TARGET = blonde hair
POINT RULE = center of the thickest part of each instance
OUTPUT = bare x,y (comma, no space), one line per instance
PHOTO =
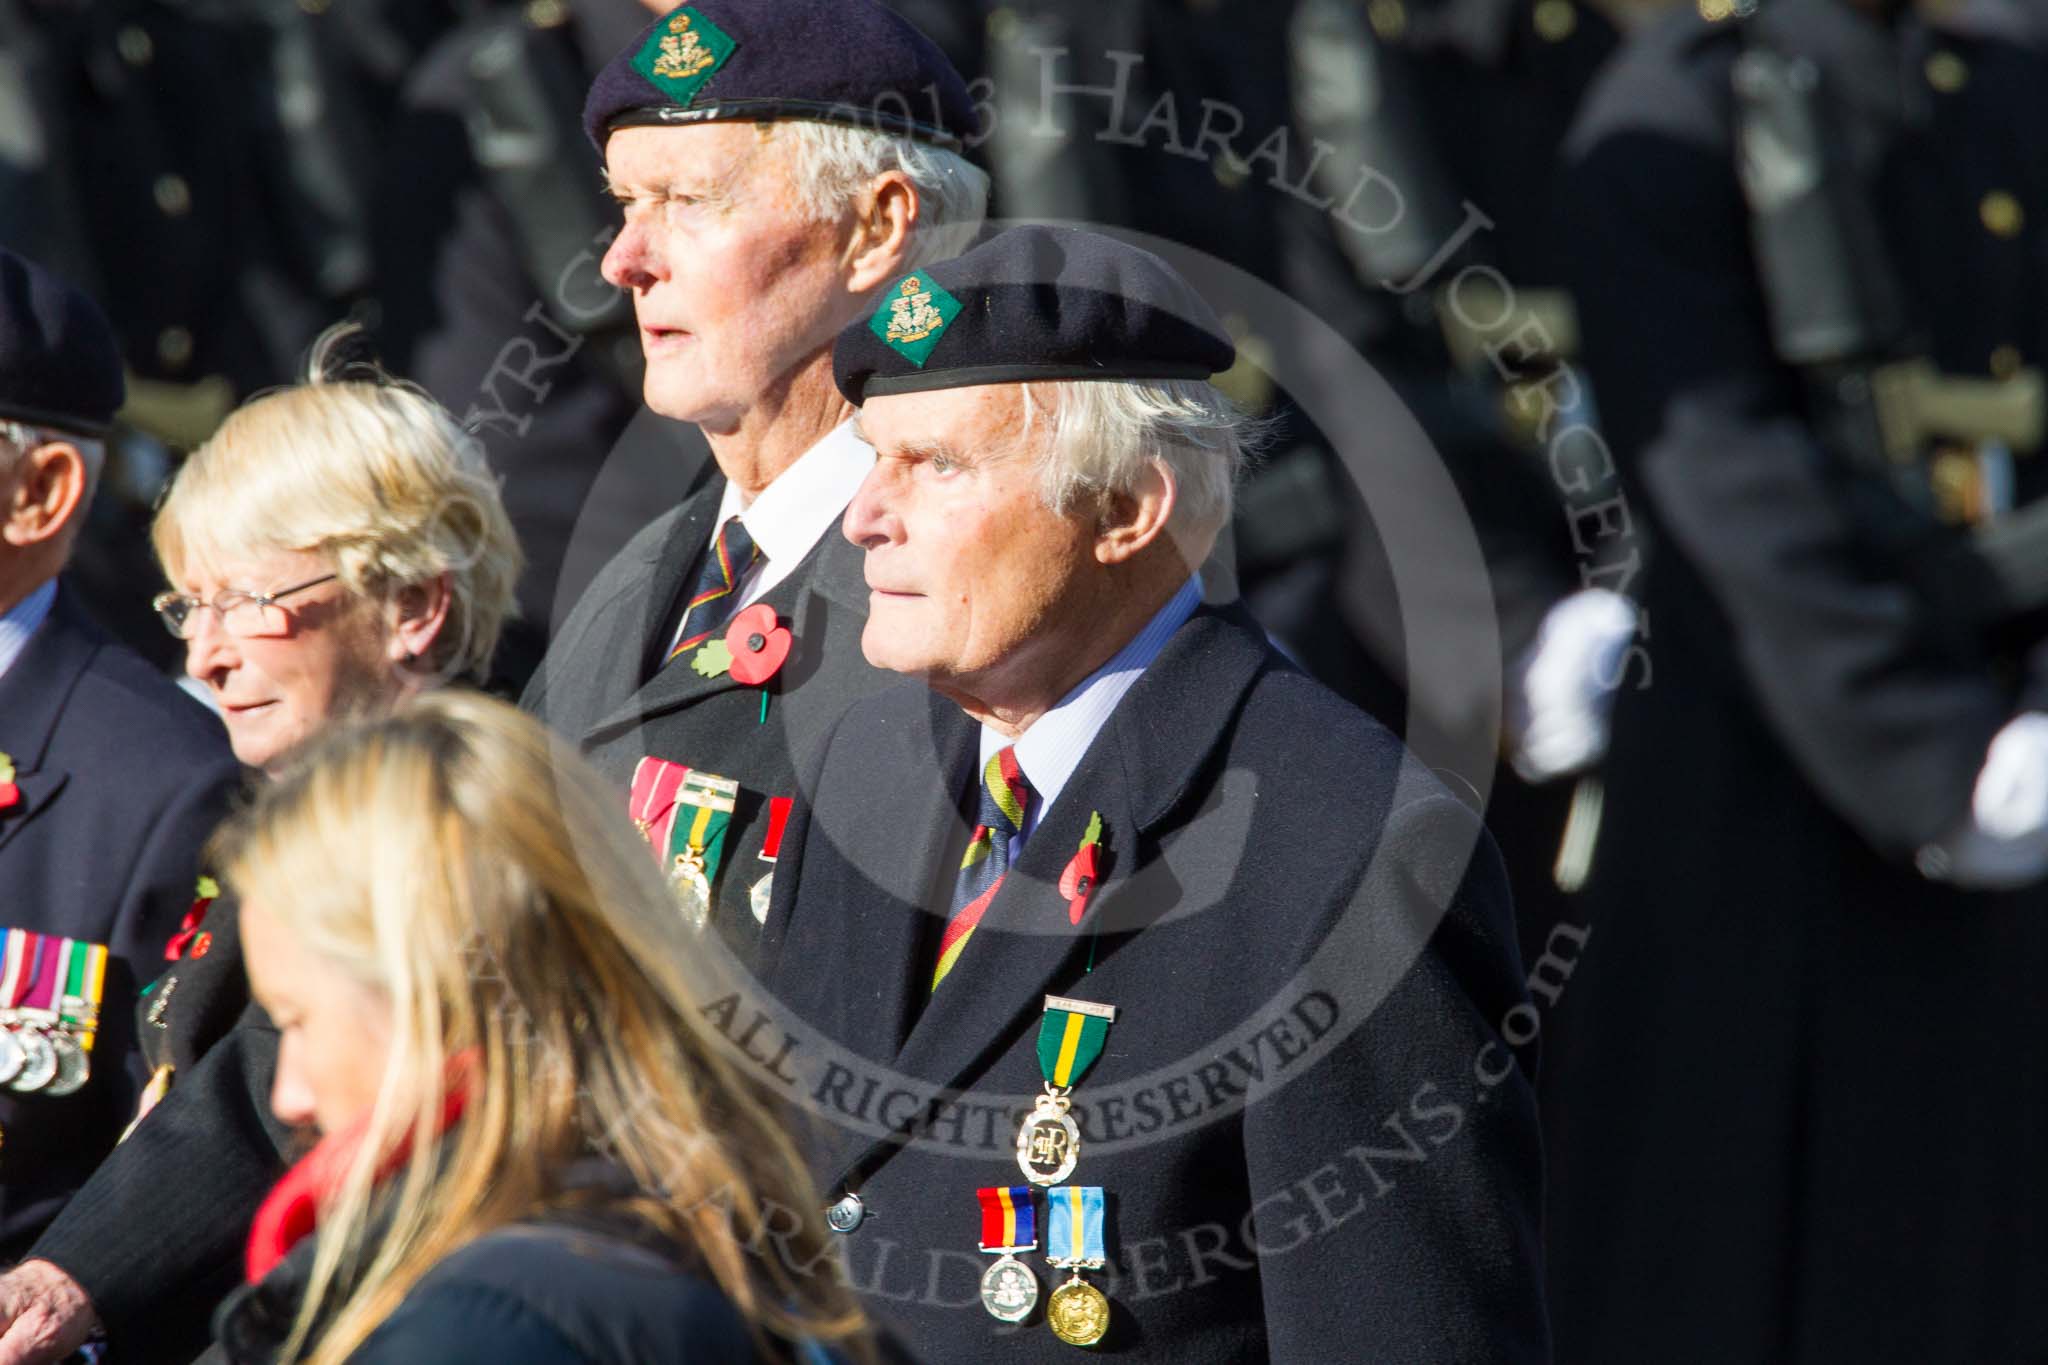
367,471
831,164
1105,433
485,880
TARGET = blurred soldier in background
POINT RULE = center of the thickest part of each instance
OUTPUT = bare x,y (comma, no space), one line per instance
205,167
1361,159
1802,1097
490,223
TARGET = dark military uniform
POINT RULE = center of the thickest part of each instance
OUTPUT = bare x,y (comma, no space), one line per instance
122,778
1235,846
155,1237
1798,1107
1244,1229
605,686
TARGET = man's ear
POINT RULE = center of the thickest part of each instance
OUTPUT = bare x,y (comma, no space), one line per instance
879,249
45,495
417,616
1132,522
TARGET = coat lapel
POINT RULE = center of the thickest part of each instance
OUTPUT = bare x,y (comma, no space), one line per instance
1140,770
33,694
678,684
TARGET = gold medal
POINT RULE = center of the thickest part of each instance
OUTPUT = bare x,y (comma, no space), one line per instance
1009,1291
1049,1143
1078,1312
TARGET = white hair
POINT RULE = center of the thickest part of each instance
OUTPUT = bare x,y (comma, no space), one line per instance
831,164
366,470
21,438
1107,433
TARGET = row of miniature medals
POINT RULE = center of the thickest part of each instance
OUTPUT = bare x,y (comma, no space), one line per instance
50,991
1070,1038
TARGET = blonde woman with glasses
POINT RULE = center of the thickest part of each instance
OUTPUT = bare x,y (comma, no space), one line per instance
533,1148
335,548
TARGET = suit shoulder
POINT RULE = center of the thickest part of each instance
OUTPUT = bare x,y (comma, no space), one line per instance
129,704
1341,762
1670,80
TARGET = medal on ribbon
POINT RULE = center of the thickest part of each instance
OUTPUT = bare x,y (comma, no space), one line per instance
29,984
1070,1038
1078,1312
82,967
696,840
763,891
1009,1224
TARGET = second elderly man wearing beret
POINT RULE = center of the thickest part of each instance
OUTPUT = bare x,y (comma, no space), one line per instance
1162,992
778,162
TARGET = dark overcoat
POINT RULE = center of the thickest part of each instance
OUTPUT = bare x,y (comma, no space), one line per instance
1313,1142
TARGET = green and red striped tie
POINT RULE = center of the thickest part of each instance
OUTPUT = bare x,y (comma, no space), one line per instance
725,563
1005,796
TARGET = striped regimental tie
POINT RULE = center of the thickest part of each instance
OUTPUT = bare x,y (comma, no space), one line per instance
1005,795
711,605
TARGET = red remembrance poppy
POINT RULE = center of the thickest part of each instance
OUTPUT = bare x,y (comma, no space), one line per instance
1077,883
758,645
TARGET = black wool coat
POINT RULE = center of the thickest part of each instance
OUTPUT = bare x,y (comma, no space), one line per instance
122,778
1314,1143
604,687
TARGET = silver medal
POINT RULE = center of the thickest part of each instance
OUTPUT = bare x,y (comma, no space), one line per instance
73,1068
40,1068
1009,1291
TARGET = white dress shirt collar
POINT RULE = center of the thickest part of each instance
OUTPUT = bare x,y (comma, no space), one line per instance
1050,750
803,503
21,622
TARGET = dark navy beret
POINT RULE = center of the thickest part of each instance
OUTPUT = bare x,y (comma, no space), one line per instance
60,365
834,61
1029,304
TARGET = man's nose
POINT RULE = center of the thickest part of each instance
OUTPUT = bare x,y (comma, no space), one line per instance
629,262
870,518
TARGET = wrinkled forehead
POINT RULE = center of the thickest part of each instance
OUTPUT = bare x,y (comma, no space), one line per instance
971,417
701,159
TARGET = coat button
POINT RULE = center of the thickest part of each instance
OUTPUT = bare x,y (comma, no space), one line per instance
173,195
2002,214
1555,20
1947,72
846,1215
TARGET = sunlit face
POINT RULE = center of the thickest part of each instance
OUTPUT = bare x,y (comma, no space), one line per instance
334,655
973,582
334,1031
734,290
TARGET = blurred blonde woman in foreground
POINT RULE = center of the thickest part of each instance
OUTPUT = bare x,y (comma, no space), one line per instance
532,1148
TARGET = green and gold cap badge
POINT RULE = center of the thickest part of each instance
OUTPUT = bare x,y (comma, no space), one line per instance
684,51
914,317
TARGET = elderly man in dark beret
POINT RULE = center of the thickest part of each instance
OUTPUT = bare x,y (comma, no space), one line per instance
1167,1004
777,164
110,777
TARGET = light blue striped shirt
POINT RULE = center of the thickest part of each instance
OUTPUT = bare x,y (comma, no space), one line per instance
21,622
1053,747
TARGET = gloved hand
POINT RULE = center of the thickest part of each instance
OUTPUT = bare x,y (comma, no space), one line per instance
1560,696
2003,842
